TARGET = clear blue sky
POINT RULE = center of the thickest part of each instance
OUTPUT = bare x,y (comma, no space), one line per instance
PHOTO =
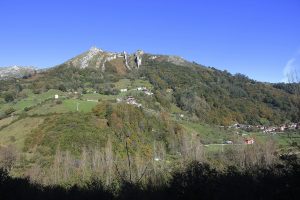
259,38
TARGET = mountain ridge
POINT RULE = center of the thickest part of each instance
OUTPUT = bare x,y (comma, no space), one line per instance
16,71
87,59
97,58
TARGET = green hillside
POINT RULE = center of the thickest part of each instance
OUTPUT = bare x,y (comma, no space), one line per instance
79,121
210,95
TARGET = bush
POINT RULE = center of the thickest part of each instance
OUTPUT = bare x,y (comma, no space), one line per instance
9,111
62,88
9,98
2,115
37,91
27,109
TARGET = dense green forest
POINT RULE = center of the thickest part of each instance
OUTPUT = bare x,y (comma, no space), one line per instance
221,98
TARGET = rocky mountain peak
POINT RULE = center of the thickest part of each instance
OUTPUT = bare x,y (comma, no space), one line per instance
95,50
97,58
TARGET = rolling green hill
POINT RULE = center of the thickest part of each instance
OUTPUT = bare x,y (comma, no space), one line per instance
101,110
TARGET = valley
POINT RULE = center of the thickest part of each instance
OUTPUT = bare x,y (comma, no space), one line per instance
149,100
140,118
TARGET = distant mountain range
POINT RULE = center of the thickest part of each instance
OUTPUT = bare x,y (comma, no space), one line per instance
95,58
16,71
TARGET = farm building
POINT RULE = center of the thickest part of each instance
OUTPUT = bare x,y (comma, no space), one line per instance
249,141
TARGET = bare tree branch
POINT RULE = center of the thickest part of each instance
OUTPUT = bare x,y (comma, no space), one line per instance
118,172
128,158
143,173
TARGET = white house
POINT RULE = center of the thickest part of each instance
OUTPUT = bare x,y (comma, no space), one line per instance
124,90
282,128
148,93
141,88
56,96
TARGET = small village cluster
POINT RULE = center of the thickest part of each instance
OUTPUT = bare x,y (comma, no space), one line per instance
129,100
142,89
246,141
268,129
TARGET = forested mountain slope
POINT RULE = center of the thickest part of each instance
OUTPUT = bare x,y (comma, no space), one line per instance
207,94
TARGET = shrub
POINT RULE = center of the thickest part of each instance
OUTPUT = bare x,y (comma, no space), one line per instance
62,88
9,111
9,98
37,91
27,109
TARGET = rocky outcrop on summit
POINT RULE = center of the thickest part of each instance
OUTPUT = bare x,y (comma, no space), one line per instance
126,60
91,53
99,59
138,58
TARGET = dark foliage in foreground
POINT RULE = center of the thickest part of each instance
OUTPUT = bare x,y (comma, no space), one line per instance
197,181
